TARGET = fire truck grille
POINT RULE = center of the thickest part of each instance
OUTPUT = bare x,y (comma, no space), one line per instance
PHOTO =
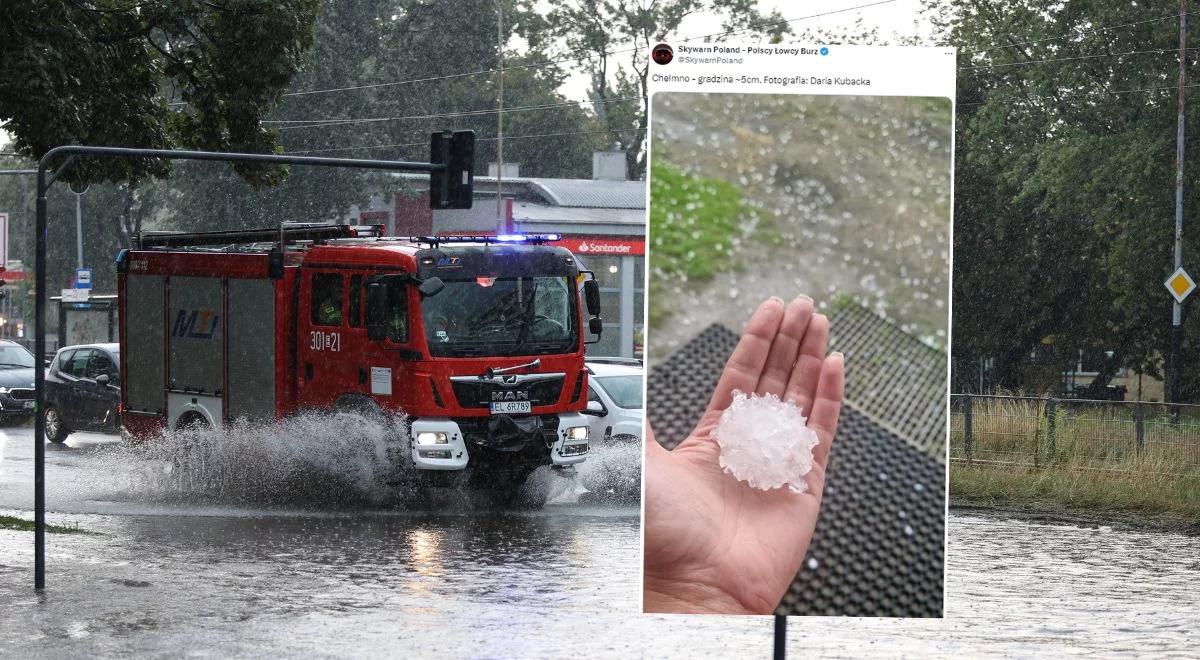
478,394
476,428
21,394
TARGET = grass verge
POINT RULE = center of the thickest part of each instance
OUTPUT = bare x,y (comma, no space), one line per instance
1078,487
21,524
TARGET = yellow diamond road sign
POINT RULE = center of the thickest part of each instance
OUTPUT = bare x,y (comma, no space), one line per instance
1180,284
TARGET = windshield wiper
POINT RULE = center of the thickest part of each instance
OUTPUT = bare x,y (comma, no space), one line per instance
527,318
494,314
492,372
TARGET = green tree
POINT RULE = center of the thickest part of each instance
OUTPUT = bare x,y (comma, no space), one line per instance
1064,178
106,72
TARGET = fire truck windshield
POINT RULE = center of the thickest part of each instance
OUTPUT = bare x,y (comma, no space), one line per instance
501,316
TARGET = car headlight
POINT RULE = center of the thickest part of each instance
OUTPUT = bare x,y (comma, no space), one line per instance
577,433
575,449
432,438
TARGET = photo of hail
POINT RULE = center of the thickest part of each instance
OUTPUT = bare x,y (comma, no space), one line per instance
798,299
766,442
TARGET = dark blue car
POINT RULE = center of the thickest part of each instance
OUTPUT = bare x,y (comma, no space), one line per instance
83,390
16,382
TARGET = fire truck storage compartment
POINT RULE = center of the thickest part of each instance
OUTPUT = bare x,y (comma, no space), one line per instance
251,349
194,330
144,334
195,324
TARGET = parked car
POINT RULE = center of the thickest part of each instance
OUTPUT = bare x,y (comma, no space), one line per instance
614,401
83,391
16,382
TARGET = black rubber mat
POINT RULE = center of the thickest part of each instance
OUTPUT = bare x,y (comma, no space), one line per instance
899,380
879,543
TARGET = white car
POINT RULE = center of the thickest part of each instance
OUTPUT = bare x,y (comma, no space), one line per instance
615,401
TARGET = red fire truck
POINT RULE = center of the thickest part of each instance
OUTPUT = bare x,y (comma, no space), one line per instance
478,340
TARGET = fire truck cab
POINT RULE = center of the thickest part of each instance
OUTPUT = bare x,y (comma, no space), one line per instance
478,341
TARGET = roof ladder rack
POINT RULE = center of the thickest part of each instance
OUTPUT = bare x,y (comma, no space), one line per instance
287,232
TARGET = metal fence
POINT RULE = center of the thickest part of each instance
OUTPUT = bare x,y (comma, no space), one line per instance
1046,431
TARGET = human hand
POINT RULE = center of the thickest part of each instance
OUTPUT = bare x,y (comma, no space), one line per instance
713,543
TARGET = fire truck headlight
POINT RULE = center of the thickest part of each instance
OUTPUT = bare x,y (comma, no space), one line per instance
577,433
431,438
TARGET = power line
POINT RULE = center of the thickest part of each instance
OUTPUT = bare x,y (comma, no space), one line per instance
1082,93
531,65
1081,31
790,20
426,142
1068,59
311,123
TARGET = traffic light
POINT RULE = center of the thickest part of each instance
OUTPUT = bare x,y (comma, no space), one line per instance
453,187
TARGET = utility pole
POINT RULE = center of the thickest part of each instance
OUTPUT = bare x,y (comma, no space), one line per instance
1177,309
500,225
79,227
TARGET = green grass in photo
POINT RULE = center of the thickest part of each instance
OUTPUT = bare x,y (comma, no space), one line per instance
695,226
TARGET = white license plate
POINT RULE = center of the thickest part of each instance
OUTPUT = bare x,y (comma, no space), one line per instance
509,407
29,405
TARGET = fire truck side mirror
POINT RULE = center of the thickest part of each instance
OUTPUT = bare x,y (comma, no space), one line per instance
431,287
591,296
452,187
596,326
376,312
275,264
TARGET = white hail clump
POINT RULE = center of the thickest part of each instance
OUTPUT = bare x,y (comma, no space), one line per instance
766,442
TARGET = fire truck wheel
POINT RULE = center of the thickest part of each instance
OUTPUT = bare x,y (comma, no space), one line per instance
191,421
534,493
56,431
359,405
509,490
396,461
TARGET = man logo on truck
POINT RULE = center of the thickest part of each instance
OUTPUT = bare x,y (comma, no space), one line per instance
196,323
510,396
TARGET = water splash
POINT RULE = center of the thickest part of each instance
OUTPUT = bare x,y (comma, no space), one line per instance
320,461
613,472
311,459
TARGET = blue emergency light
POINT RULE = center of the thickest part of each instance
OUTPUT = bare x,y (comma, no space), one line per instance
515,238
536,239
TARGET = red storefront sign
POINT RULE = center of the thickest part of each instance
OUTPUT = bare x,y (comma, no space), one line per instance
604,246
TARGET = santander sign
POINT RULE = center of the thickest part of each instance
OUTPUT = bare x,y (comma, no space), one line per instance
604,246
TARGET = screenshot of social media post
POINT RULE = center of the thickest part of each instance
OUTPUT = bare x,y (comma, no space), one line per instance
798,304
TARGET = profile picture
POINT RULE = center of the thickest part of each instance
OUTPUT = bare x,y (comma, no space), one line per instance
662,54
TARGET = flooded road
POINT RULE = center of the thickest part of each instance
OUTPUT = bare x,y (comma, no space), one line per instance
215,579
